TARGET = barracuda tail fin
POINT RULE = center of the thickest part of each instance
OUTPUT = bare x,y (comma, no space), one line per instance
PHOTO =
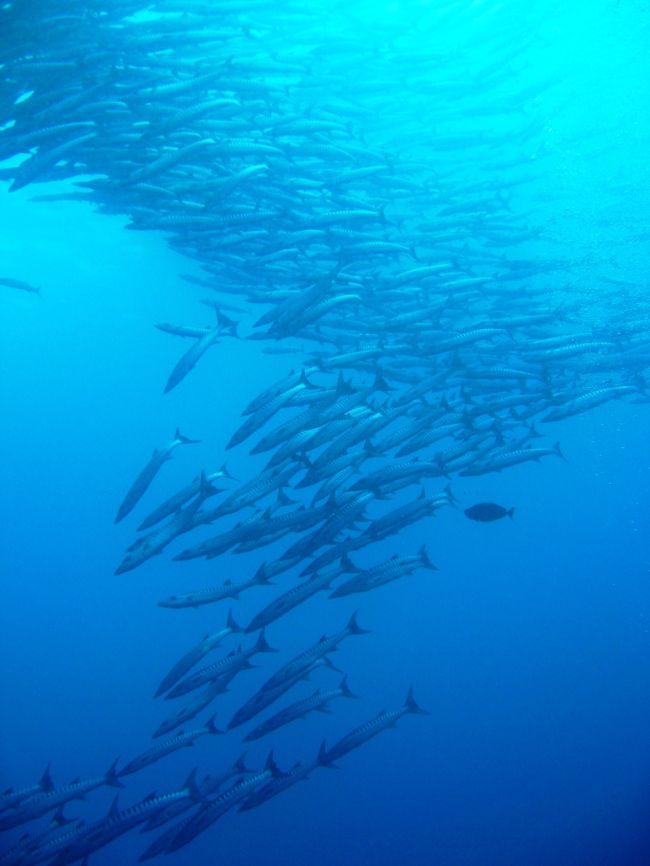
343,386
211,726
185,440
240,764
348,565
424,558
322,756
412,707
192,788
206,488
330,664
262,645
272,767
380,384
453,501
370,450
353,626
323,759
283,499
346,691
114,808
533,431
305,381
226,473
60,820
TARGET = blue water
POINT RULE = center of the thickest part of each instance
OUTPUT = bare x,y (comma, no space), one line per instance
529,646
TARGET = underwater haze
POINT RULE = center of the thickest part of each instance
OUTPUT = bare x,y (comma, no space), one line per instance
324,381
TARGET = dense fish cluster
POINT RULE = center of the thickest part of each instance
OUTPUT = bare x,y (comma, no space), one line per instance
436,325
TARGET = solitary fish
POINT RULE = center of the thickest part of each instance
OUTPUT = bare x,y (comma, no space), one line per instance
486,512
21,285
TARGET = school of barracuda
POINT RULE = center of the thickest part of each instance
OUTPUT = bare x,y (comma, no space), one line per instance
382,251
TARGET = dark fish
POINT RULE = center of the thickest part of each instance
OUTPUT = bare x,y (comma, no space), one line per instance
486,512
21,285
213,810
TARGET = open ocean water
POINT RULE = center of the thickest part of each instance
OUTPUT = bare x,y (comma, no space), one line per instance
446,196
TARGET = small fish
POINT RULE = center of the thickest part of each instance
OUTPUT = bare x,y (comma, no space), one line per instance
21,285
486,512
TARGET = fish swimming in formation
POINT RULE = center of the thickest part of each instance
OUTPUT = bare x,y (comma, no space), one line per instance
50,799
13,797
298,710
198,652
423,345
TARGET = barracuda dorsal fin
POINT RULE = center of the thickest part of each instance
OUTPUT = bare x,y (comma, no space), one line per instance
272,767
111,777
453,501
191,787
348,565
59,818
323,758
240,764
45,781
342,387
232,625
260,576
346,691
